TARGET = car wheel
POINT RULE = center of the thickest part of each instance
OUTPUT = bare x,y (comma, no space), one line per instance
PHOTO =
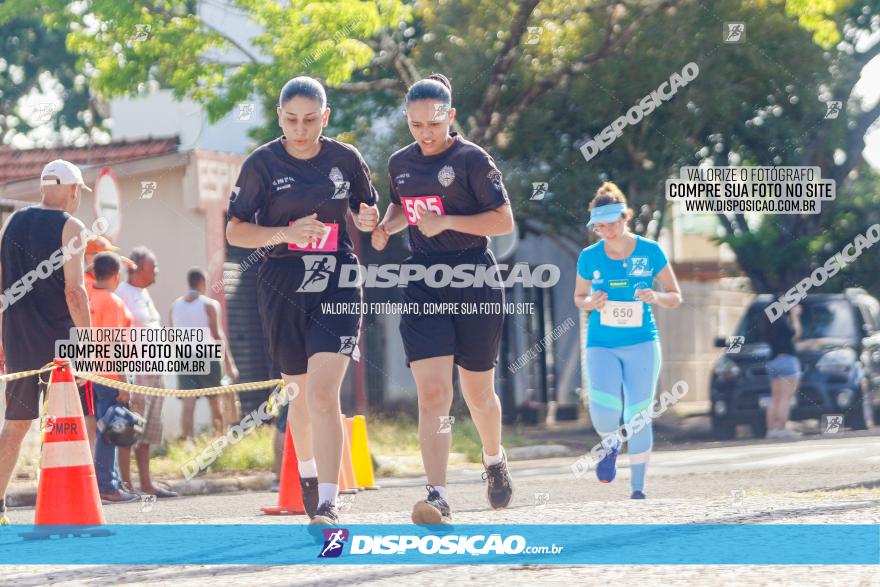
861,414
758,428
723,429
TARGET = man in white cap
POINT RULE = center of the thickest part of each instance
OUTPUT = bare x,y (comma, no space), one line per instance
40,302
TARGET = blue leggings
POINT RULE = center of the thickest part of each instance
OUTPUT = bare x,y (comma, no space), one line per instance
634,370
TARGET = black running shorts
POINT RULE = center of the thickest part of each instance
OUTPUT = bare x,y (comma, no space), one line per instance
23,396
470,324
299,300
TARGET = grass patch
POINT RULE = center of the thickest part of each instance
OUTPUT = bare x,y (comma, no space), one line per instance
399,436
253,453
388,436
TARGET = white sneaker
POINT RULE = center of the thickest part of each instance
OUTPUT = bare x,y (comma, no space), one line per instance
773,434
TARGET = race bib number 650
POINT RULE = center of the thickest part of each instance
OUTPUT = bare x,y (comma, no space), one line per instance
621,314
416,206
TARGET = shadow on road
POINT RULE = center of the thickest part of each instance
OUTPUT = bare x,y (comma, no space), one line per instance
860,485
672,432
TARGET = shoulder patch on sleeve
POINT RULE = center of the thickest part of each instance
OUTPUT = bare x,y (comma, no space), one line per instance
495,177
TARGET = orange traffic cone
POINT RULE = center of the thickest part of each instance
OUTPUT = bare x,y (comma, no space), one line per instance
290,498
68,490
347,484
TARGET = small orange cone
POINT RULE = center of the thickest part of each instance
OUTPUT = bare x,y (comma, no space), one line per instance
346,471
360,453
68,491
290,498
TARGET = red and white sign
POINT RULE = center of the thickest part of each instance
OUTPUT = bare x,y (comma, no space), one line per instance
416,206
329,243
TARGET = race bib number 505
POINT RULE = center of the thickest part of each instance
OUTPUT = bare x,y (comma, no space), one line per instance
328,243
621,314
416,206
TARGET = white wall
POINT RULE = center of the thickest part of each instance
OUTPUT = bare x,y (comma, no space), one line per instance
157,113
687,333
168,117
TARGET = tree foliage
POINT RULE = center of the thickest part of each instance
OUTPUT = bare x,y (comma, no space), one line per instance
30,57
533,80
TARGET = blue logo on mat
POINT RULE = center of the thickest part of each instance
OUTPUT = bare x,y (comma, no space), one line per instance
334,540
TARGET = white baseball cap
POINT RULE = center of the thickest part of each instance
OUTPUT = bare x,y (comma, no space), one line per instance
61,172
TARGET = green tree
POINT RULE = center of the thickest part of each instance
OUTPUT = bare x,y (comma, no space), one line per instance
554,73
28,52
785,247
758,103
123,45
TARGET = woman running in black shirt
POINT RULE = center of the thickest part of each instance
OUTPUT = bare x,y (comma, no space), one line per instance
293,198
450,195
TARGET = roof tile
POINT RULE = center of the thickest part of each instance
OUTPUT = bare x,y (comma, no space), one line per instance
18,164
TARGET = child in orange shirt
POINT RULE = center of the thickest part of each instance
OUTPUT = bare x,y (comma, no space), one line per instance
108,311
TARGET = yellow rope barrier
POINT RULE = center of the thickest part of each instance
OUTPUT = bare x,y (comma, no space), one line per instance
145,390
23,374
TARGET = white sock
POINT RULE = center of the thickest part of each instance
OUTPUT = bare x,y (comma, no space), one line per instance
444,494
327,492
490,460
307,469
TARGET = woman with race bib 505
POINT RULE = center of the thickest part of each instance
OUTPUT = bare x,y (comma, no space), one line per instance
449,194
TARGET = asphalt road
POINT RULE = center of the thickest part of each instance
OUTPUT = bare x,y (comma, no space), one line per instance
821,479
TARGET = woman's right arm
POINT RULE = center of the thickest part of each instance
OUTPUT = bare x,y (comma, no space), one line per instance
796,325
253,236
395,219
585,300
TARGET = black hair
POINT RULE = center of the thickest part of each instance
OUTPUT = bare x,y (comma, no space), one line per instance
195,276
433,87
305,86
141,255
106,264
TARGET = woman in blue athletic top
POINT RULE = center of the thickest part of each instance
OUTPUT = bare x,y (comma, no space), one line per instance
616,277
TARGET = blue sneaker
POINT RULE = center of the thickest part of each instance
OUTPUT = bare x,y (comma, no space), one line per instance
606,470
637,495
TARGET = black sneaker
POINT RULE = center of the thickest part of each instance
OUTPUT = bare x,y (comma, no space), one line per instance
325,515
500,484
309,487
431,511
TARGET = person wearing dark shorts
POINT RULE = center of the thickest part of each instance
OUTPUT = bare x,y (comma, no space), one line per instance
41,263
450,195
293,199
196,310
472,339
